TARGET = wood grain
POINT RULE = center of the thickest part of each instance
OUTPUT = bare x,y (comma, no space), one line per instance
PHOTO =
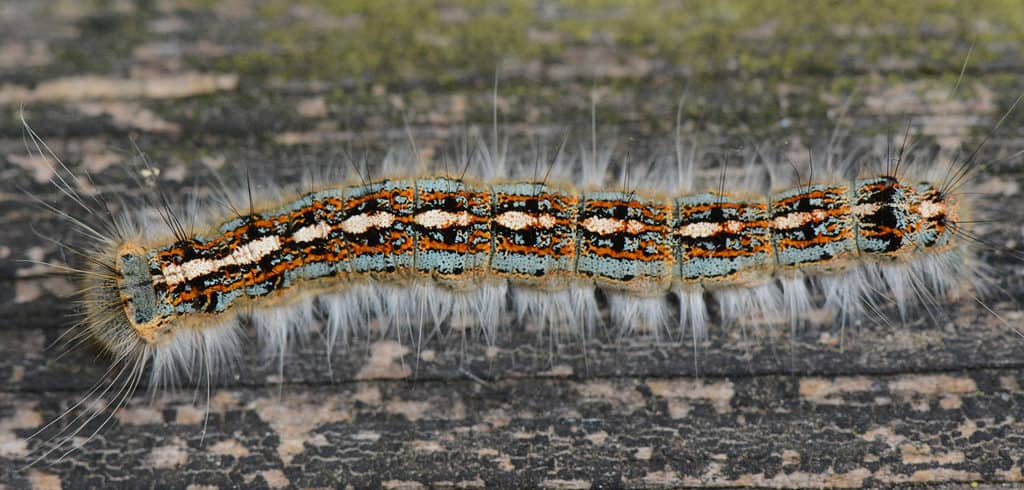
280,90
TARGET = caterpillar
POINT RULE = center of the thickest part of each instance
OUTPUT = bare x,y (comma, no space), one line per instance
416,249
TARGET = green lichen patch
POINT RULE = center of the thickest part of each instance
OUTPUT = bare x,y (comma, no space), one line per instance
445,42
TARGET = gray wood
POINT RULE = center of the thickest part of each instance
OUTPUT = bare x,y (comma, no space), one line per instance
927,400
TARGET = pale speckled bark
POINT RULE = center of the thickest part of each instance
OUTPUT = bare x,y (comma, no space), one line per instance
872,405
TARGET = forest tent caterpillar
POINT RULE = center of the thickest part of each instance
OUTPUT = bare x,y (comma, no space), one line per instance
443,250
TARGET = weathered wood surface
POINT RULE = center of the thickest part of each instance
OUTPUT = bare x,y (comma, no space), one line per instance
279,89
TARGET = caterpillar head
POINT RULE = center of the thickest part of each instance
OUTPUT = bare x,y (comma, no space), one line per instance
121,305
138,295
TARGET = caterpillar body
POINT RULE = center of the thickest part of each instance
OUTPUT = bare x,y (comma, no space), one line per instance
420,251
385,251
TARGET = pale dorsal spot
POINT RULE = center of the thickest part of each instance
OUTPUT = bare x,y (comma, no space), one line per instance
359,223
931,209
866,209
607,226
796,220
248,253
603,226
700,230
733,226
517,220
316,231
436,218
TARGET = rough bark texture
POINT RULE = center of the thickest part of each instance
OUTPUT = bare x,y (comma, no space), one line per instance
281,89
